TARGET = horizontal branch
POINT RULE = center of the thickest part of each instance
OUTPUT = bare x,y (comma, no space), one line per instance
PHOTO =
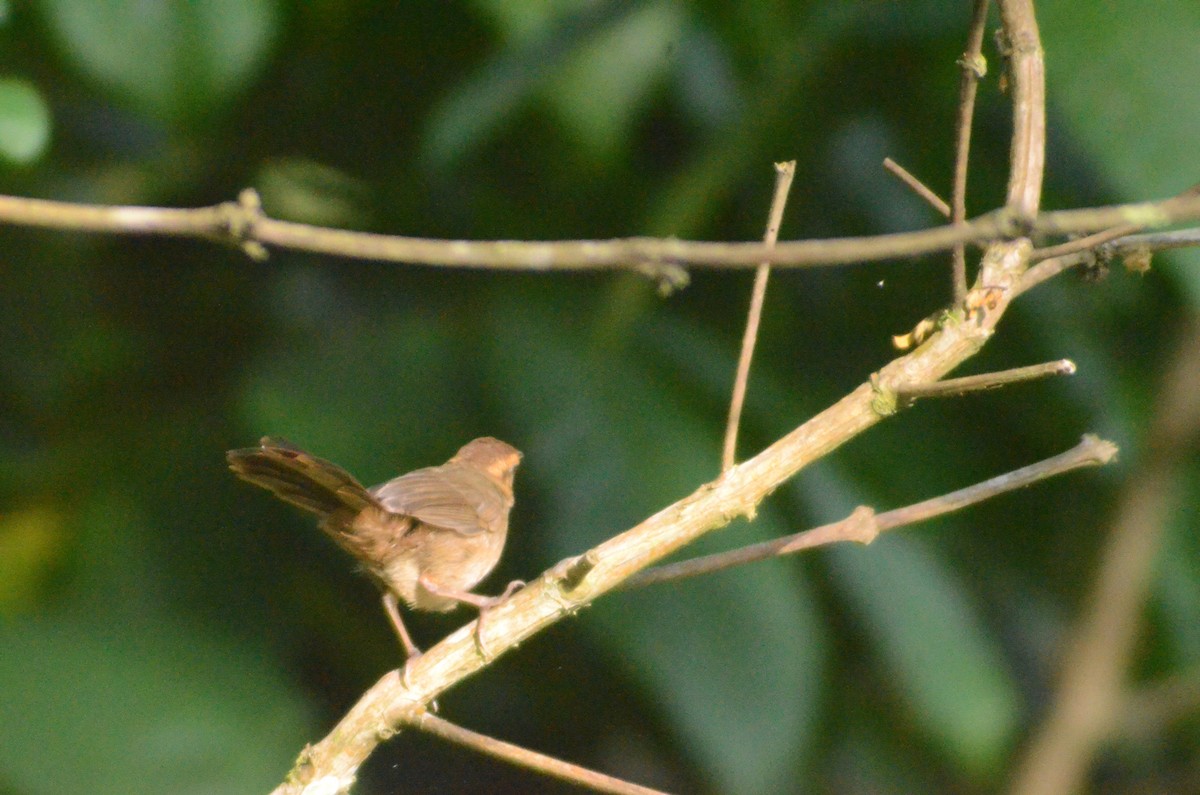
1154,241
244,224
1126,245
957,387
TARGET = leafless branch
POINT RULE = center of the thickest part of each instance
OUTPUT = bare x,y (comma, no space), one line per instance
243,224
956,387
331,764
1027,67
1104,246
1085,243
1155,241
1109,238
523,757
918,187
784,172
973,67
863,525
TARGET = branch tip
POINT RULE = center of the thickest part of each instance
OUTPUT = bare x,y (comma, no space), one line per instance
957,387
1098,451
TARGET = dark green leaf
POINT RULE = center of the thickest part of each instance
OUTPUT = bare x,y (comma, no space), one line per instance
939,654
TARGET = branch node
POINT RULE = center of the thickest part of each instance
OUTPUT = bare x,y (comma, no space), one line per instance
861,525
240,218
1013,224
670,276
884,402
974,63
571,572
1138,260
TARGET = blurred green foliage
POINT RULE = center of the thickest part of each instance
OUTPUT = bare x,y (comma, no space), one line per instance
166,629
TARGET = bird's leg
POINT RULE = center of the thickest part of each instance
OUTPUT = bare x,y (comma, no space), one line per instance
482,603
392,609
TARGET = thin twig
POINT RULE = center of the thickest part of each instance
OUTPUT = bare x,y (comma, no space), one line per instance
863,525
1119,239
956,387
1049,268
1155,241
1085,243
784,172
523,757
917,186
1149,242
241,224
974,67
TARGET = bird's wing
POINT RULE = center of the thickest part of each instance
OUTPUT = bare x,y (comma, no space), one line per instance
452,496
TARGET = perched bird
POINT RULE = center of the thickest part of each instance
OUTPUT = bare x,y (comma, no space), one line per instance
427,537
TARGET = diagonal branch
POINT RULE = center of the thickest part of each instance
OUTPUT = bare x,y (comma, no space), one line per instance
863,525
956,387
389,706
918,187
783,183
533,760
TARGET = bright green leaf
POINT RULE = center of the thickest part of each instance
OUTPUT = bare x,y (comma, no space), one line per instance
24,121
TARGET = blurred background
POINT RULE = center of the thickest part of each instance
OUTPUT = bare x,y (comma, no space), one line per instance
165,628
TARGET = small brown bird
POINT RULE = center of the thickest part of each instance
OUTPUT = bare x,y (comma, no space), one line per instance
427,537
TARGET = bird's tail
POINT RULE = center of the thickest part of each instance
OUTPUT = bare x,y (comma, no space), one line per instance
304,480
